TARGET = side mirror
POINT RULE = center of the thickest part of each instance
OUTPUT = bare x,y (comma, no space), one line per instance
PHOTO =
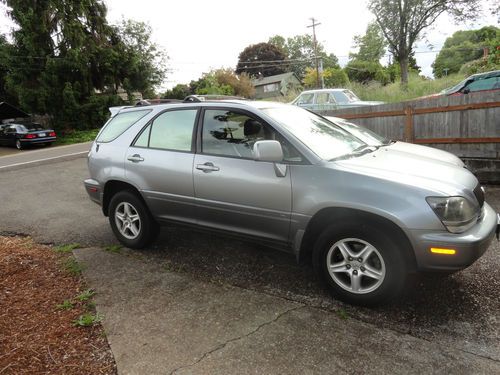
268,151
466,90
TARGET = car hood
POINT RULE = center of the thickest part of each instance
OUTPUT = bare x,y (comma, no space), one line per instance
411,169
426,152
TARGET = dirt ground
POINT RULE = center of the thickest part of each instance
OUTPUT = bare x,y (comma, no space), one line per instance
37,330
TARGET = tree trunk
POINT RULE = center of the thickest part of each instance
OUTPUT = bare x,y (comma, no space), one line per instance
403,64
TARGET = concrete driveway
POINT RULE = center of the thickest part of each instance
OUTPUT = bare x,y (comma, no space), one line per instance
200,303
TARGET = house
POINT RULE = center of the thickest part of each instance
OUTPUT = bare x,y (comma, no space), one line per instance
276,86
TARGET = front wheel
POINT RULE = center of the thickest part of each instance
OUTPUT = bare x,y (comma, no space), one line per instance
131,220
360,264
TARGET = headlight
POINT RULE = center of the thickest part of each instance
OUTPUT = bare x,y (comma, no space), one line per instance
456,213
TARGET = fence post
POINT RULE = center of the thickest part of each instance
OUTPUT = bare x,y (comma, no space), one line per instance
409,132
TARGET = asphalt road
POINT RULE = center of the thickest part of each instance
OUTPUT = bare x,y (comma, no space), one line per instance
461,311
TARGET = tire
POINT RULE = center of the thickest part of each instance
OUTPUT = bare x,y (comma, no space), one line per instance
375,279
19,144
131,220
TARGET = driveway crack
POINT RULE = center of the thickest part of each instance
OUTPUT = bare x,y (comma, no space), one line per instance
224,344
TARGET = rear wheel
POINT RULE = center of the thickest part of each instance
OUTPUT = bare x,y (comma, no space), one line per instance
131,220
360,264
19,144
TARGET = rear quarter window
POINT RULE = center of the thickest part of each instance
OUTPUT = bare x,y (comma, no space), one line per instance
118,124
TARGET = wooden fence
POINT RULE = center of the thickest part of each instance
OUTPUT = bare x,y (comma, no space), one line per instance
468,126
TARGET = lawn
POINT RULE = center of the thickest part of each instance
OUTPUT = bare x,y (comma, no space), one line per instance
77,136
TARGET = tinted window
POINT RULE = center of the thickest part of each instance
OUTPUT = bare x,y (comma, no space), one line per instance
484,84
121,122
231,133
173,130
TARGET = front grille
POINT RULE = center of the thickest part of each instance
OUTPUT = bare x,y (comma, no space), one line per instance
478,192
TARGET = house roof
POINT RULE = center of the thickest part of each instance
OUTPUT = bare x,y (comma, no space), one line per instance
272,79
8,111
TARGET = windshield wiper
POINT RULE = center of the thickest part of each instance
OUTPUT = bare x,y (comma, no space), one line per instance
361,150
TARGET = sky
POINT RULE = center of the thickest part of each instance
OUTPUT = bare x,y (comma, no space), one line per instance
200,35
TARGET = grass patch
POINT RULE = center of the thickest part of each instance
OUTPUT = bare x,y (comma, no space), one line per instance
85,295
66,305
77,136
68,248
87,320
342,314
73,267
394,92
113,248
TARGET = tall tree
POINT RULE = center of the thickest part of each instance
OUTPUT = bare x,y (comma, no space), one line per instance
371,46
403,22
299,50
69,61
261,59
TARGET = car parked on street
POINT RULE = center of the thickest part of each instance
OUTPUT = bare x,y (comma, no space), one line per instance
21,135
373,139
366,216
330,99
482,82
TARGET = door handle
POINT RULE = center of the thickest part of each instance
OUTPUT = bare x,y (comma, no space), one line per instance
136,158
207,167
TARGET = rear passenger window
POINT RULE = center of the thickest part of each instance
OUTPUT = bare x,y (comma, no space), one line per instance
173,130
118,124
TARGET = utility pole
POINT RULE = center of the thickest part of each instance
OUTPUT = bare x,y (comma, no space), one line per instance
313,25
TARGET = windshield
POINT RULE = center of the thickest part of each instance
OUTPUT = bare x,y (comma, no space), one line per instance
33,126
367,136
451,90
352,97
321,136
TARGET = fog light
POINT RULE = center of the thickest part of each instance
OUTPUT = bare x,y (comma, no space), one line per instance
437,250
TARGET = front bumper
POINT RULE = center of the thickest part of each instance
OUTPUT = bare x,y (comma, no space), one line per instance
93,189
469,246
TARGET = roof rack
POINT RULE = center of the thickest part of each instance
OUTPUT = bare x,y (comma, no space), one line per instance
204,98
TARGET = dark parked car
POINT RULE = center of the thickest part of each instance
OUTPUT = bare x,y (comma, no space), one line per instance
25,134
489,81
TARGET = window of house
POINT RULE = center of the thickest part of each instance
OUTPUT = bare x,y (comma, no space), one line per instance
271,87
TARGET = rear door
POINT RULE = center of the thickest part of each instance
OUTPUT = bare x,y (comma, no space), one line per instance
234,192
160,162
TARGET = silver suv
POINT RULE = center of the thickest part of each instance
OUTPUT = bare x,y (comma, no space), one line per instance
366,216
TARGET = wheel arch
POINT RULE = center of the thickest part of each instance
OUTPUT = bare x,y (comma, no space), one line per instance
114,186
328,216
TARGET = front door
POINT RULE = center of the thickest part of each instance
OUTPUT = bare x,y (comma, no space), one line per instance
233,192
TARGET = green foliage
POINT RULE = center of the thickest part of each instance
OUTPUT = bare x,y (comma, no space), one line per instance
223,82
492,62
113,248
371,46
77,136
68,248
66,305
332,78
85,295
463,47
261,59
73,267
394,92
366,71
403,23
87,320
300,50
179,91
68,62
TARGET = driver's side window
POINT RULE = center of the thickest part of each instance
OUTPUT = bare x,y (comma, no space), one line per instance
233,133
